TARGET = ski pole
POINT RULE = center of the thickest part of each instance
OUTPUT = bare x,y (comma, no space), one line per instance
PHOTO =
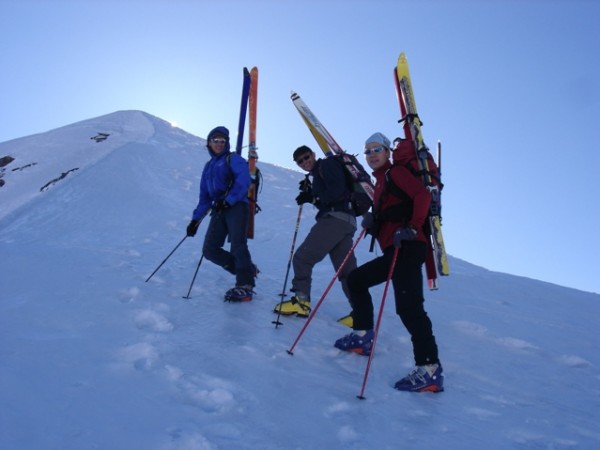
194,279
314,311
165,260
289,264
385,290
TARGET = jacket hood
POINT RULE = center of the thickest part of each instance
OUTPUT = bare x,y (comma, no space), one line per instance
218,131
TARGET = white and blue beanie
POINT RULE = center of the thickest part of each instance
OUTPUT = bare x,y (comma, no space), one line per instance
379,138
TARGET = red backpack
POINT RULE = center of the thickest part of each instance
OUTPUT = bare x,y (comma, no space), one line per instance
404,154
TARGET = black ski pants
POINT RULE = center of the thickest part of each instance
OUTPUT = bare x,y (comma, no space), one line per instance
407,280
233,223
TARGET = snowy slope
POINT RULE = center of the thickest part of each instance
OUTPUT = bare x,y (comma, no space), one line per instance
91,356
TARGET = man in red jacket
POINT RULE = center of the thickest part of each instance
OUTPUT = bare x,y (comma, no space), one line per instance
396,222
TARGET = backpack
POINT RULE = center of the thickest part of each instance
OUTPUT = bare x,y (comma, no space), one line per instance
404,154
359,200
256,180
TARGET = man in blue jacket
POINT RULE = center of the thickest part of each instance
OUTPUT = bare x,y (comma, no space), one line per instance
224,189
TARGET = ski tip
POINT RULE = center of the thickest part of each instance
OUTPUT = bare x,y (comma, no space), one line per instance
293,94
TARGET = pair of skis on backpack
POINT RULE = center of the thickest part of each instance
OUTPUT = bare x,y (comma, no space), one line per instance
423,165
249,102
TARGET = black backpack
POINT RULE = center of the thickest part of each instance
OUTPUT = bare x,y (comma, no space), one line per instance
355,173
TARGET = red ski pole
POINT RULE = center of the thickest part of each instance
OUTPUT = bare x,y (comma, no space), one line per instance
387,285
314,311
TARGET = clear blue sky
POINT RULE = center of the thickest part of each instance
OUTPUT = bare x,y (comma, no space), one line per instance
511,88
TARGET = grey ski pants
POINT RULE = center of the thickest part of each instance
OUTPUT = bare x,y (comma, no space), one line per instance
328,236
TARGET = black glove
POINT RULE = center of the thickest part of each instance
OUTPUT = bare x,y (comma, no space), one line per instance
368,221
192,228
305,185
305,197
220,206
404,234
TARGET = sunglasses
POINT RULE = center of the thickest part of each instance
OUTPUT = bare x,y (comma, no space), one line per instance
368,151
303,158
218,140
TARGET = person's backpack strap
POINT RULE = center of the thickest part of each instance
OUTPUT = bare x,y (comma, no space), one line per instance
391,187
231,175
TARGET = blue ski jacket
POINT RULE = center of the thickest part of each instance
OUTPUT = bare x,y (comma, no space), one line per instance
224,177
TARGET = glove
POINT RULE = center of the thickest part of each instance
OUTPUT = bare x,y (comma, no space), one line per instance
305,185
220,206
305,197
404,234
192,228
368,221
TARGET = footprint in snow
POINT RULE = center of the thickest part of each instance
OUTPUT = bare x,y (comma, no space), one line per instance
129,295
141,356
148,319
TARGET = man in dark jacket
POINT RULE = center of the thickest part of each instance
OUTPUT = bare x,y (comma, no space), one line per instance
397,222
331,234
224,190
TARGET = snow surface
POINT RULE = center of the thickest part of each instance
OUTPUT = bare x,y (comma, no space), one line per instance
92,356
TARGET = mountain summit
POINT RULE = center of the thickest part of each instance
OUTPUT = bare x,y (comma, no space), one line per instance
35,163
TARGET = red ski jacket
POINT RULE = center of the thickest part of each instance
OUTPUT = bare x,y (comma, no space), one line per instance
415,204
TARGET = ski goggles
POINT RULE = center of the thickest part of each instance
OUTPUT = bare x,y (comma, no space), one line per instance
218,140
368,151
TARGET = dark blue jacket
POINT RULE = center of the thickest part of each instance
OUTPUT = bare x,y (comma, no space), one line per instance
223,180
330,187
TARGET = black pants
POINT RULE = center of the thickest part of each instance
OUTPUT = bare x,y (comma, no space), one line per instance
230,223
407,280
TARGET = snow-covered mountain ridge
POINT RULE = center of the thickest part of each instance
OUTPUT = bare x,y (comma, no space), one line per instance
43,158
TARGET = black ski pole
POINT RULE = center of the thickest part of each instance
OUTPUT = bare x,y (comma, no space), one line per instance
387,285
289,264
194,279
165,260
314,311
